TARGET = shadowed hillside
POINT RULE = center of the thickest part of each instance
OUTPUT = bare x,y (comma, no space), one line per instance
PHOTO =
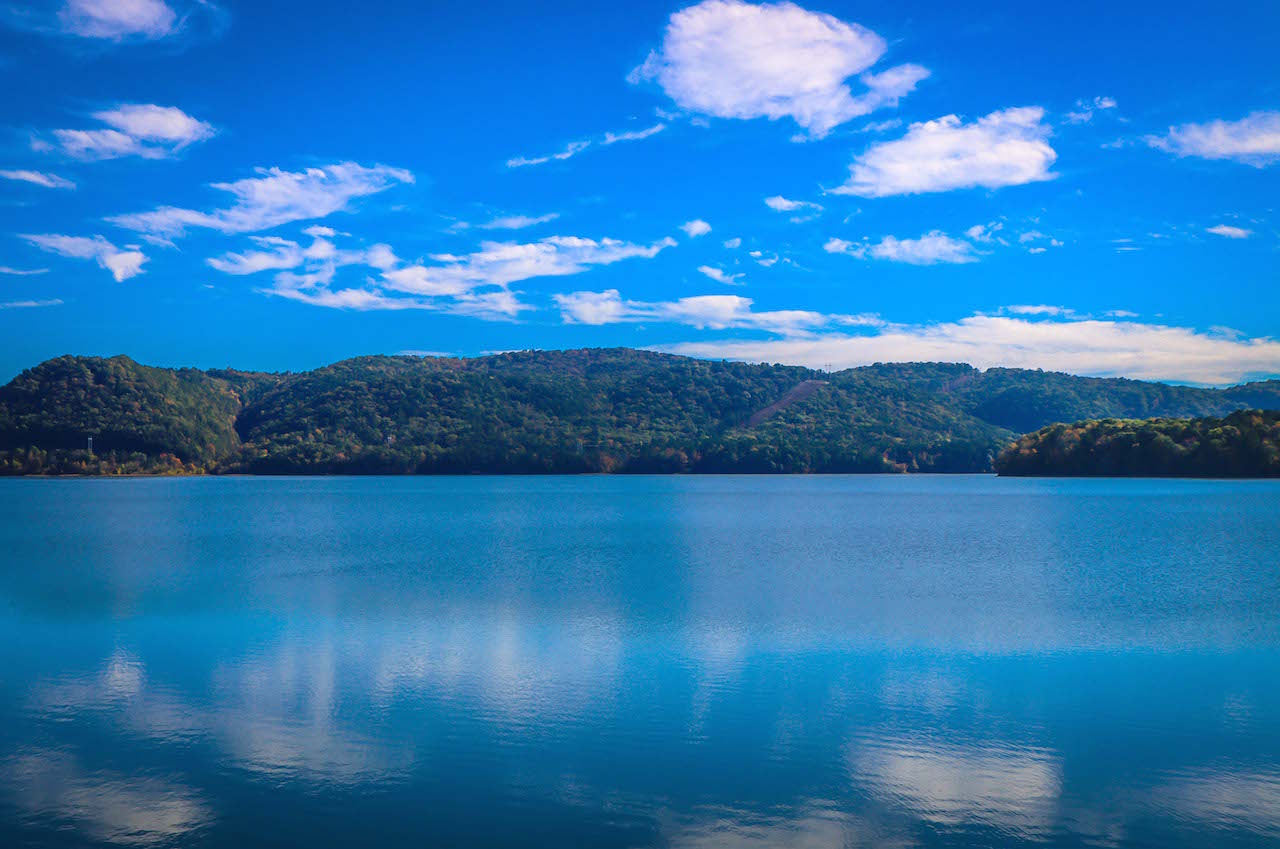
607,410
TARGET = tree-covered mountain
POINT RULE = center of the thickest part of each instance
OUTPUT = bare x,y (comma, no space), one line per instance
1245,443
600,410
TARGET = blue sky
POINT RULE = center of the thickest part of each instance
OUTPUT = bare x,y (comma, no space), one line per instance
281,185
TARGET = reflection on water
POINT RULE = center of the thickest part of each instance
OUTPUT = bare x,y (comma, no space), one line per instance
703,663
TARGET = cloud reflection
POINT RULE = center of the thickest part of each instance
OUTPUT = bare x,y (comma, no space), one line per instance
105,805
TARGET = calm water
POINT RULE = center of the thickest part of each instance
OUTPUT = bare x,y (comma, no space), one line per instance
629,662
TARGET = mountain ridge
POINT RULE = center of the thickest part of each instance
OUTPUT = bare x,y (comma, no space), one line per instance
571,411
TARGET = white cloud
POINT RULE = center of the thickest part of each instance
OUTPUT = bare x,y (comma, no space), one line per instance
985,233
119,21
122,263
713,312
930,249
719,275
1087,108
1038,309
272,198
282,254
632,135
732,59
1229,232
518,222
499,264
22,305
116,20
695,228
1005,148
780,204
574,148
22,272
476,284
319,231
134,129
807,210
49,181
734,243
1105,348
1253,140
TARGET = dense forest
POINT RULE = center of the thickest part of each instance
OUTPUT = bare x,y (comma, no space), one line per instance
1245,443
599,410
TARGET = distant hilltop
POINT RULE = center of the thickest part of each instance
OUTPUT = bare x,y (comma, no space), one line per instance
1245,443
549,412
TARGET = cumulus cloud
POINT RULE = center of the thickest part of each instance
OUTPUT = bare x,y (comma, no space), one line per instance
1104,348
119,21
39,178
719,275
574,148
695,228
734,243
123,263
930,249
272,198
1229,232
1253,140
1006,148
134,129
731,59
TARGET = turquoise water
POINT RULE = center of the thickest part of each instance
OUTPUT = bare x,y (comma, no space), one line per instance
631,662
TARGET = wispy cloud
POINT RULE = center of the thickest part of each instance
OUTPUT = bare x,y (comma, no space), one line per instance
133,129
478,283
39,178
806,210
932,248
25,305
22,272
123,263
1085,109
719,275
272,198
1005,148
1107,348
711,312
1227,231
632,135
1253,140
710,63
518,222
574,148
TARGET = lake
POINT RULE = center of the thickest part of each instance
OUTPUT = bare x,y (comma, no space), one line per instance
630,662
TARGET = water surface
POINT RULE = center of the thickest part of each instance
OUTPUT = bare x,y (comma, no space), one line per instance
633,662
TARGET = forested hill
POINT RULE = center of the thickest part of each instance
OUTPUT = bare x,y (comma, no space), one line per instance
600,410
1244,444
